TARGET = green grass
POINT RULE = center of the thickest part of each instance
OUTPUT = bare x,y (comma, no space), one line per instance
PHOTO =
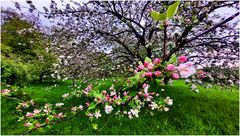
211,111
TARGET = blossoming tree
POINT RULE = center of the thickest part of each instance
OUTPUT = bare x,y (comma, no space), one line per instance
123,98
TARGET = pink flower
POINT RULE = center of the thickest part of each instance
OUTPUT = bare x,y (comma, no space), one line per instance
27,124
146,64
104,92
140,67
156,61
175,76
125,93
146,95
144,85
168,101
170,67
87,103
115,97
182,59
186,70
38,125
158,73
24,104
5,91
36,111
47,120
149,74
135,72
60,115
150,66
29,115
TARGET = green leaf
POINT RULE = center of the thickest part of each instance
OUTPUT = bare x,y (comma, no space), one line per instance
138,75
158,16
92,106
140,63
95,126
132,93
172,10
155,15
162,16
173,59
148,60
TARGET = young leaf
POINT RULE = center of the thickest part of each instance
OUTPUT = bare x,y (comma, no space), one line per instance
92,106
95,126
148,60
162,16
155,15
140,63
172,10
158,16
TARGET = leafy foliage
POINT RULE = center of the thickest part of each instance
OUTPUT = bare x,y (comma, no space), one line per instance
24,57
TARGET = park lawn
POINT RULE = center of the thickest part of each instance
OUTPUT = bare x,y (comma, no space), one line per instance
211,111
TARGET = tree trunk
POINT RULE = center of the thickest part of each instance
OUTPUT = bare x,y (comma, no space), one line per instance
41,78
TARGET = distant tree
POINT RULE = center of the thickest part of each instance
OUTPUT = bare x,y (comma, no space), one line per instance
23,50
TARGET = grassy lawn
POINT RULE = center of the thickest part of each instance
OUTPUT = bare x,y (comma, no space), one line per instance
211,111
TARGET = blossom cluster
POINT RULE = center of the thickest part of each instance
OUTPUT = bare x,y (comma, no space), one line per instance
5,92
151,69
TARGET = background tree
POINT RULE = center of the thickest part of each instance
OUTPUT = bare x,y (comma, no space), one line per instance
23,50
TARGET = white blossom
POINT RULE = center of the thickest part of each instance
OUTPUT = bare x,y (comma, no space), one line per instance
108,109
59,104
168,101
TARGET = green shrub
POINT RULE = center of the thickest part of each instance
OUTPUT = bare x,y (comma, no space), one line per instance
15,73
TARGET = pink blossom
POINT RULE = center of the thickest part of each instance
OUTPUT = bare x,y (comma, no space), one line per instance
125,93
136,97
135,71
175,76
186,70
146,64
149,74
158,73
144,85
29,114
36,111
107,98
87,104
60,115
140,67
104,92
168,101
27,124
182,59
5,91
47,120
150,66
156,61
146,95
115,97
24,104
38,125
170,67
